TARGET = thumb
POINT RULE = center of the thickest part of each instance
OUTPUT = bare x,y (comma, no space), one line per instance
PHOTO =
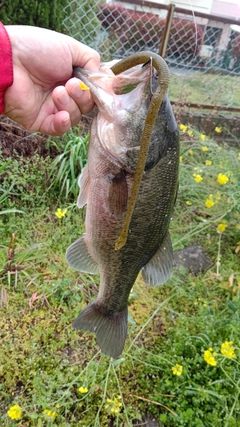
84,56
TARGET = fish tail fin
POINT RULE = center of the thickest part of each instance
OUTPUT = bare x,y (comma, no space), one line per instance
110,330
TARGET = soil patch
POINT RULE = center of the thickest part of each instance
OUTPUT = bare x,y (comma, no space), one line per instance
16,141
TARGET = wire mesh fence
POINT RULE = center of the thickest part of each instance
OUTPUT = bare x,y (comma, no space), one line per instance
203,51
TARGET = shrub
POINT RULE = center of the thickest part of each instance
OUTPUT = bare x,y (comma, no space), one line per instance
137,30
236,47
81,21
185,38
41,13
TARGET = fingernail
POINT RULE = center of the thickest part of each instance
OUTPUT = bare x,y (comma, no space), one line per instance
64,98
76,91
66,122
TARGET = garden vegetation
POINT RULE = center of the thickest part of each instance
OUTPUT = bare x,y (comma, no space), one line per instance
181,362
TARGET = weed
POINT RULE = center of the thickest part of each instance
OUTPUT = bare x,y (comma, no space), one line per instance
68,164
24,184
51,374
205,89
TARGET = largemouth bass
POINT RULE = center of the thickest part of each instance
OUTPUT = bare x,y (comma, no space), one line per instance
105,187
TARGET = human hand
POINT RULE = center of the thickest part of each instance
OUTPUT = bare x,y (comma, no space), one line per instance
44,97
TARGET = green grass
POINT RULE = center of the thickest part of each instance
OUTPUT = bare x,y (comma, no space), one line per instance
69,163
205,89
45,365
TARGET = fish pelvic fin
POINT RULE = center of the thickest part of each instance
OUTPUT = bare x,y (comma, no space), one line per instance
158,269
79,258
110,330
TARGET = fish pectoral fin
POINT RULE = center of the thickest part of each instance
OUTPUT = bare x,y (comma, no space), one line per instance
118,194
79,258
110,330
83,183
157,271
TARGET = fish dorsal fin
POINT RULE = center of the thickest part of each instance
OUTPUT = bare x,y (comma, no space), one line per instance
79,258
157,271
83,183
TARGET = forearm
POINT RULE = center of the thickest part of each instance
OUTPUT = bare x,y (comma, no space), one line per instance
6,66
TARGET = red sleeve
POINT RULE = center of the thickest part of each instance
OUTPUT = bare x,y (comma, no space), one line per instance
6,67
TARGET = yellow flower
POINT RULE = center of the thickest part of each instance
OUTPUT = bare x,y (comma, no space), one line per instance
190,133
183,128
188,203
218,129
60,212
15,412
221,227
197,177
208,162
227,349
222,179
209,357
190,152
209,203
180,159
113,407
83,390
177,369
50,414
83,86
202,137
204,148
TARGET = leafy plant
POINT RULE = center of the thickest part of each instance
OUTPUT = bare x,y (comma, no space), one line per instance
34,12
136,30
185,39
5,192
23,182
236,47
181,362
67,166
81,21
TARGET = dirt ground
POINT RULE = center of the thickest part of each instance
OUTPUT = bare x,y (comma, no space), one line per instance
16,141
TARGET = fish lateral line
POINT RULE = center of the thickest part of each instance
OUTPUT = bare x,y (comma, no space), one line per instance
163,81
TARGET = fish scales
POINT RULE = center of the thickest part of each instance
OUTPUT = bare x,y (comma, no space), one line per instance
105,186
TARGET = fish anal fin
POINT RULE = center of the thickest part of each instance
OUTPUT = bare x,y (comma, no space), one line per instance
158,269
83,183
118,194
79,258
110,330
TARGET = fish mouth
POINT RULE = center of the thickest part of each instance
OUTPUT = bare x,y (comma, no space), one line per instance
105,86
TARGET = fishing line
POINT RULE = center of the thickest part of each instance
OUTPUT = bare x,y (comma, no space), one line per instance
195,23
151,79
